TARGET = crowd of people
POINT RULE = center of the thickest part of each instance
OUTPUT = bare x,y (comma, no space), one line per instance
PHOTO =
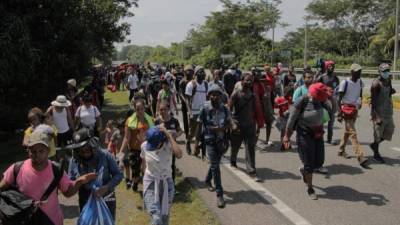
218,112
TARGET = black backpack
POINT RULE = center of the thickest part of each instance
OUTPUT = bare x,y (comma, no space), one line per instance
17,208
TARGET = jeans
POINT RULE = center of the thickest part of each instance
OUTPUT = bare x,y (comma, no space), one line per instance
349,131
154,208
248,135
330,127
214,171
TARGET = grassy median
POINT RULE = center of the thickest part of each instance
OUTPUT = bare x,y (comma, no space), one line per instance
188,208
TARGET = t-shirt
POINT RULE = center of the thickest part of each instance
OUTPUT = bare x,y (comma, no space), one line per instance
299,92
133,81
244,108
199,97
138,135
87,116
34,183
353,91
229,81
330,81
158,162
61,120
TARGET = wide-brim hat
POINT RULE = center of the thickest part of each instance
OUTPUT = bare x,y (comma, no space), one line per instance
61,101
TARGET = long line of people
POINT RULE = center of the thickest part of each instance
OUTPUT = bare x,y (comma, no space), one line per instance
219,113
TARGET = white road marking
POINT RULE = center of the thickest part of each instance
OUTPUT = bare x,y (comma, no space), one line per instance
396,149
278,204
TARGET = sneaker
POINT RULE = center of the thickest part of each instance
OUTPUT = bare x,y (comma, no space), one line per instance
255,177
128,184
269,144
210,188
344,155
303,174
220,202
135,187
378,158
364,163
321,170
311,193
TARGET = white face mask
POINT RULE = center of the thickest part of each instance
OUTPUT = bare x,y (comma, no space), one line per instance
385,75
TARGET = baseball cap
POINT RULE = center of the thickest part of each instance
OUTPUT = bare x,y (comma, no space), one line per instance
154,137
355,67
38,137
384,67
215,88
188,67
197,69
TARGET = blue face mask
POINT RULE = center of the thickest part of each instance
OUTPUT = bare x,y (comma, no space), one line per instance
385,75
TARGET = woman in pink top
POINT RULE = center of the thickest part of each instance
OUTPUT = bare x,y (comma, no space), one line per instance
34,177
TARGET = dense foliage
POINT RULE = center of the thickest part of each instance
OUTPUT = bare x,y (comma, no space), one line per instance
44,43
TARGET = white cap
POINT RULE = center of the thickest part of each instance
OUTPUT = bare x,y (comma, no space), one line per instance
355,67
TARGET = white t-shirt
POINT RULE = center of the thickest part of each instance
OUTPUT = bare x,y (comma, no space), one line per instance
61,121
199,98
133,81
87,116
158,162
353,91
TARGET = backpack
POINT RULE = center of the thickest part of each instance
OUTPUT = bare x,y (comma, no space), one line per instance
194,90
17,208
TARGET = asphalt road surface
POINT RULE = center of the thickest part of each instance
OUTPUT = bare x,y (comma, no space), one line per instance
348,194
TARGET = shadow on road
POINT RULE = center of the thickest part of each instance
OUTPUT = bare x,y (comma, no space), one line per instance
350,194
70,211
243,197
270,174
337,169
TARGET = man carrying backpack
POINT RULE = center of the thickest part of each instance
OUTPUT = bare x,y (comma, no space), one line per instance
196,91
350,101
37,179
382,110
331,80
215,119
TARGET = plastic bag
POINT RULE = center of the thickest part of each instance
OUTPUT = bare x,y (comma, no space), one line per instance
325,117
95,211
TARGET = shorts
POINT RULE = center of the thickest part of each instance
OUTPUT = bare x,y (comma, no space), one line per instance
63,139
384,130
133,160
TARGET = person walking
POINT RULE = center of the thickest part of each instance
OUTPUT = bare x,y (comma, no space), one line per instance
91,157
308,79
41,179
382,110
166,94
331,80
158,186
243,104
171,124
306,118
62,119
215,119
36,119
350,101
88,115
132,83
188,76
134,135
196,92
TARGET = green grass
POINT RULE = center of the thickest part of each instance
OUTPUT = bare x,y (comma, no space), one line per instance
395,99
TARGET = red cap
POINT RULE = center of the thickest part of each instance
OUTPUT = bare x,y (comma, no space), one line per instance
319,92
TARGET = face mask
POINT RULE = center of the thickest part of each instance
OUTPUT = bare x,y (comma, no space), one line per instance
385,75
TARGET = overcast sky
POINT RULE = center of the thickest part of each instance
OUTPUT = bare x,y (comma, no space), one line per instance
161,22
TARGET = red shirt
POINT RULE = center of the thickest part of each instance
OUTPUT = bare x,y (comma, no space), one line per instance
270,81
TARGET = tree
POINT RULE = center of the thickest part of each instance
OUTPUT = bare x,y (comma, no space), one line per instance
47,42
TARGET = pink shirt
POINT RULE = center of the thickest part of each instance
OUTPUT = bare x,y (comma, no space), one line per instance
34,183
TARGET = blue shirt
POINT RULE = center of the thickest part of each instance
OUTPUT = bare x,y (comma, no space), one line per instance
299,92
211,117
111,175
